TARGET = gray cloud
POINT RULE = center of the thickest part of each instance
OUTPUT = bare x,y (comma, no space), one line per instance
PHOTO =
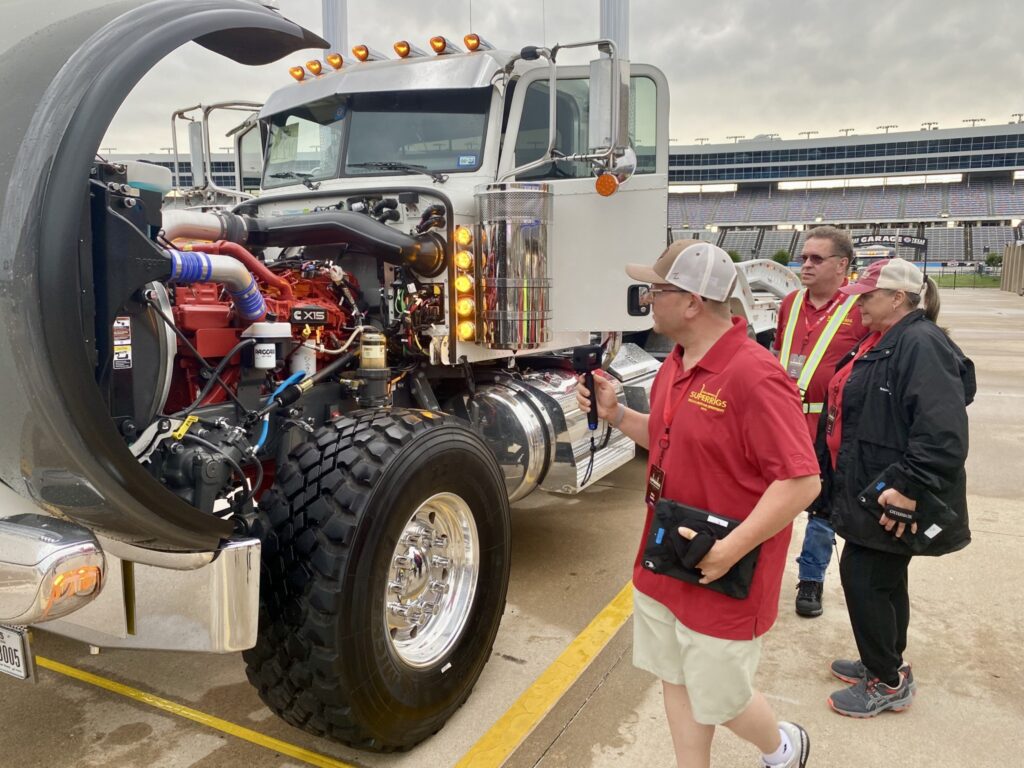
745,67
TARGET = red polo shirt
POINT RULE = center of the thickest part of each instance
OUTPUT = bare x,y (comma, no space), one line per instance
809,327
737,428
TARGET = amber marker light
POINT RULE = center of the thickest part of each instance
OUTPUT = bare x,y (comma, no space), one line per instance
81,581
463,236
315,66
465,307
467,330
464,284
297,72
361,52
606,184
335,60
402,48
464,260
438,44
476,43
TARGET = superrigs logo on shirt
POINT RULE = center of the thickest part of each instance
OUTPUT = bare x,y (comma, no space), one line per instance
707,401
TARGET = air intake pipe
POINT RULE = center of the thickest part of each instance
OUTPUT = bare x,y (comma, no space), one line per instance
360,233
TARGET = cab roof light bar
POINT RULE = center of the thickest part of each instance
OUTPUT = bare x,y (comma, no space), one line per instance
366,53
441,45
474,42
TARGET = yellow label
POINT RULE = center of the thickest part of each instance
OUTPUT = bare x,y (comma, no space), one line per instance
185,425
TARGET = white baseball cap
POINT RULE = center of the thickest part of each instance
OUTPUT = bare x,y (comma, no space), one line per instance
692,265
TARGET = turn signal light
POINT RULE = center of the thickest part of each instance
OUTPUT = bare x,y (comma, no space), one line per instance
467,330
315,66
606,184
464,284
463,236
297,72
465,307
464,260
335,60
81,581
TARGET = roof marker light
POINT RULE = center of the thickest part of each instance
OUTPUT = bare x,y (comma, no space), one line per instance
297,72
442,45
606,184
407,50
366,53
335,60
476,43
315,66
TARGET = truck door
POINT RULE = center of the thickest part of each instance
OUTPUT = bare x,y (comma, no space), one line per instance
592,236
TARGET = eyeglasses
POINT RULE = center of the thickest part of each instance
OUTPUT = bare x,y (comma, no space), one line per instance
816,260
648,293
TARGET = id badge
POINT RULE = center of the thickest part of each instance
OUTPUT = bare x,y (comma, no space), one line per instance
830,420
654,485
796,365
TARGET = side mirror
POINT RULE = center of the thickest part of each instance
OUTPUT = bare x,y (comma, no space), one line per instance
196,154
633,306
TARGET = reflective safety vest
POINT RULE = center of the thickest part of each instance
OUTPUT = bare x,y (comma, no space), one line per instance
814,359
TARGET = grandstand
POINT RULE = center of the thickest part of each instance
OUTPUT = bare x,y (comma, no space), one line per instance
962,190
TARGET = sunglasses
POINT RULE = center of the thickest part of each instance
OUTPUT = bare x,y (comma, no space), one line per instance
814,259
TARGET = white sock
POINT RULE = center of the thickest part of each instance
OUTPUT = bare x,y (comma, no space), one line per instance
782,754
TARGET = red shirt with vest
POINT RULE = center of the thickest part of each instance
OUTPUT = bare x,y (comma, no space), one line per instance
735,426
810,324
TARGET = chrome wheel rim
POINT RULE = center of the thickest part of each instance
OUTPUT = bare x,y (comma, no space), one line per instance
432,580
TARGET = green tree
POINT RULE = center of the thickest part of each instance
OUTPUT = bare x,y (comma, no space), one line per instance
735,255
994,260
781,257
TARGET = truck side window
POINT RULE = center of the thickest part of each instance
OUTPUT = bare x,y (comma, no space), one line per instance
572,126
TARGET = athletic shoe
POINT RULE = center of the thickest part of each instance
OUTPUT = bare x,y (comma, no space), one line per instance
872,697
808,598
801,746
854,671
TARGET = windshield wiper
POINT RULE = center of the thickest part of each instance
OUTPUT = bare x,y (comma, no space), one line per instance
438,178
304,177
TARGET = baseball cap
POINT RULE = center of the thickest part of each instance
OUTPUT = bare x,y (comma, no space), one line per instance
692,265
893,274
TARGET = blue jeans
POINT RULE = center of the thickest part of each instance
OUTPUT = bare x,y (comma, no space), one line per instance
819,539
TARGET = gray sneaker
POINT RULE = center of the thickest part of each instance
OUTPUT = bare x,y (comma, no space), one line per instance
868,698
854,671
801,746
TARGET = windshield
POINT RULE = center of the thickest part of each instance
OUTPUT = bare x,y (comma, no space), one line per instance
437,130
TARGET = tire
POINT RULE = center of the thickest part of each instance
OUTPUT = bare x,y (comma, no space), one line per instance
334,655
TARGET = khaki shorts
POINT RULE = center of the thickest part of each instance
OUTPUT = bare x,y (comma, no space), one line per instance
718,674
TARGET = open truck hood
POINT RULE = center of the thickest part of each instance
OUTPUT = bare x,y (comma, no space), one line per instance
65,69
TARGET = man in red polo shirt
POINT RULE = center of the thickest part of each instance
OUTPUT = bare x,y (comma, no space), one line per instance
726,434
817,326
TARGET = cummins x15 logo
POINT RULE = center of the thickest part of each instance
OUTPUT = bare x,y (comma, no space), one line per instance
308,316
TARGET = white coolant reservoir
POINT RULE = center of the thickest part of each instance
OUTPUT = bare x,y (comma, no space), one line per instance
149,177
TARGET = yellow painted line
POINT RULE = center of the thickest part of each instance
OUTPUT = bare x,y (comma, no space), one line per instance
495,746
262,740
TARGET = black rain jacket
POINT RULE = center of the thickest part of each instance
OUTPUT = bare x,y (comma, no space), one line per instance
905,420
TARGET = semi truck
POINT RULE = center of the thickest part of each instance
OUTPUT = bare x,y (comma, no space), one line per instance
292,426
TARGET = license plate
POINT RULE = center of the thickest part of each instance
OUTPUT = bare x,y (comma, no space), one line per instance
14,652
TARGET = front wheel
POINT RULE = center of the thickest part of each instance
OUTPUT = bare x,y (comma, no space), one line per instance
386,545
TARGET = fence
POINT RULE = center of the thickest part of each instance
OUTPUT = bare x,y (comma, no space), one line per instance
977,276
1013,269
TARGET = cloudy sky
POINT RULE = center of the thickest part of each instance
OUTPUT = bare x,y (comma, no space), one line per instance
744,67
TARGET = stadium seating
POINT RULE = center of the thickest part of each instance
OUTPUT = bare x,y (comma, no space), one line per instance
776,240
769,209
742,241
734,208
945,243
924,202
968,200
881,203
843,204
1007,199
993,238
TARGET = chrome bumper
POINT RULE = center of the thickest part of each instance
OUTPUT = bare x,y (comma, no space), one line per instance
48,567
213,608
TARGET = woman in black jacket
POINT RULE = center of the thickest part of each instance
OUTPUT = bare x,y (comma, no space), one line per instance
892,450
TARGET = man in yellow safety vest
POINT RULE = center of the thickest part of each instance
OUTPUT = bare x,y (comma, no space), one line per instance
817,326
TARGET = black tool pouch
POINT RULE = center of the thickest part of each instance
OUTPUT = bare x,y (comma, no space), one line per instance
669,554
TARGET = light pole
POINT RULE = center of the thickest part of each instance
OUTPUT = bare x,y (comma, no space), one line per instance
736,139
808,134
701,139
108,150
973,120
928,125
886,127
847,131
771,136
1019,116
